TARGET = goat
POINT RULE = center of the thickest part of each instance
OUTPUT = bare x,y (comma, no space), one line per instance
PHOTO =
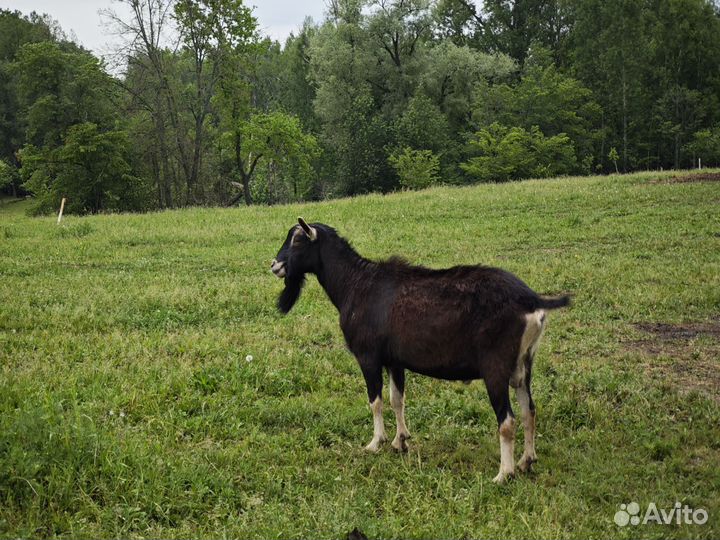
461,323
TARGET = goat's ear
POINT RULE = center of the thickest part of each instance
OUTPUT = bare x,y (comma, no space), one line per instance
309,231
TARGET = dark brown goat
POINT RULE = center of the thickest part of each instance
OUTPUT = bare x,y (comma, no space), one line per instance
463,323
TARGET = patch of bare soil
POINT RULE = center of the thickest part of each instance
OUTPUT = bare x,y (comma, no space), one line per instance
697,177
673,332
694,366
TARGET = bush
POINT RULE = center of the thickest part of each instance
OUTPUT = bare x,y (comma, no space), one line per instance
417,169
514,153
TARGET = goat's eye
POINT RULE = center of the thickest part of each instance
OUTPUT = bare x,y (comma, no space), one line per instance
297,239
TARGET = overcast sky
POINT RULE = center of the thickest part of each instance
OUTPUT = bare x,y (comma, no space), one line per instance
276,18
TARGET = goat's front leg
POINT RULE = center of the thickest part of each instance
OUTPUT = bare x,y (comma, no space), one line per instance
373,379
397,401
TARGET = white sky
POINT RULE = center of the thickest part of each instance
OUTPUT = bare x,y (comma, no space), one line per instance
276,18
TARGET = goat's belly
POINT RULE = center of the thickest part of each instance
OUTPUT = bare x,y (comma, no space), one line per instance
456,372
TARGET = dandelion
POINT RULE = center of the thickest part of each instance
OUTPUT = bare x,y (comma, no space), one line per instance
249,358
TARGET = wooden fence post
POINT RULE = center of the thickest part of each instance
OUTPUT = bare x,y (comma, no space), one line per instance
62,207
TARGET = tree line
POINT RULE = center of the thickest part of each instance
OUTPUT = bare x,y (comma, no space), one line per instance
380,95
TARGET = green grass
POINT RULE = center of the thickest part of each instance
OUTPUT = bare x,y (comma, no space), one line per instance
128,409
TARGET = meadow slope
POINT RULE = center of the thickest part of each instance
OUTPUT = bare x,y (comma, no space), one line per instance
128,408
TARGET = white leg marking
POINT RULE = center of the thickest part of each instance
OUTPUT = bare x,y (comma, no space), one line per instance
378,426
507,444
528,416
397,401
528,345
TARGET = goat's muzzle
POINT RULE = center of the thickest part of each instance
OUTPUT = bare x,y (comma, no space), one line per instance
278,268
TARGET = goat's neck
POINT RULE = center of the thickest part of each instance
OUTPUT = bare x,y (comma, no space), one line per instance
341,270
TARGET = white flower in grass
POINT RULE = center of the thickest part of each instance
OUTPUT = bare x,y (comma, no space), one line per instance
249,358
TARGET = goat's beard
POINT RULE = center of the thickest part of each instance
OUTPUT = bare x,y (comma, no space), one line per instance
293,287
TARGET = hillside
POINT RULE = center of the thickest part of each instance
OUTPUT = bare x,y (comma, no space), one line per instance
128,406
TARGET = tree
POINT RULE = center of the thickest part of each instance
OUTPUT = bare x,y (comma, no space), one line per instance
277,139
513,26
705,145
610,51
295,91
57,87
348,103
151,90
90,169
7,174
452,74
396,31
15,31
212,31
457,21
685,52
546,98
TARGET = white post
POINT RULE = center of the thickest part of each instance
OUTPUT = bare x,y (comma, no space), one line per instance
62,207
699,163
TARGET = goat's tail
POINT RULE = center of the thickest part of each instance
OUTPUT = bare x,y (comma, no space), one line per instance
554,302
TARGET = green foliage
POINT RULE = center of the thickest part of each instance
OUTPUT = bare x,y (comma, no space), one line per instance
287,153
372,78
417,169
423,126
705,145
613,156
58,88
515,27
90,169
648,65
215,27
514,153
451,74
546,98
7,174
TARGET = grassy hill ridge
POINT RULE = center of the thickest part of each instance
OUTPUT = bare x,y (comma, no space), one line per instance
128,408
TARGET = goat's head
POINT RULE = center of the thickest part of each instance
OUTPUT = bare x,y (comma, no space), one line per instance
299,254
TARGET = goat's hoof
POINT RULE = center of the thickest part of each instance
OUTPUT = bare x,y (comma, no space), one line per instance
525,463
399,443
503,477
374,445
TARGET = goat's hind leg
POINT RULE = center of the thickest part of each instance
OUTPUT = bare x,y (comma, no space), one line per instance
531,340
499,392
373,379
527,407
397,401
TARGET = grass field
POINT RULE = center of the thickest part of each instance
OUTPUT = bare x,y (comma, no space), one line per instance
128,408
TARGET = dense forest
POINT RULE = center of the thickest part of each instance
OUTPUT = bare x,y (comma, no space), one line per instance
381,95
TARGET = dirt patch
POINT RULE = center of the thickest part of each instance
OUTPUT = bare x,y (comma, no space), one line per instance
684,179
693,366
682,331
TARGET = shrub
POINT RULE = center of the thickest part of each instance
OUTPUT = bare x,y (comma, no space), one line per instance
417,169
514,153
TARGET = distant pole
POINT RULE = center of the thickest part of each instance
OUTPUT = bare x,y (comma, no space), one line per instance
62,207
699,163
